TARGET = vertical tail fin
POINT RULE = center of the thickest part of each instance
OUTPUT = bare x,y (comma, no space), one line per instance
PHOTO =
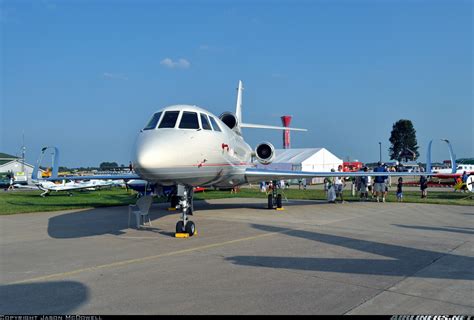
452,156
238,107
55,163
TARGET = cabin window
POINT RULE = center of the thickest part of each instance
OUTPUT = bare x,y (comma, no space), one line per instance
205,122
153,121
189,120
214,124
169,119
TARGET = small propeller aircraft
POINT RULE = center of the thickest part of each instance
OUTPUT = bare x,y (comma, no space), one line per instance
66,185
185,146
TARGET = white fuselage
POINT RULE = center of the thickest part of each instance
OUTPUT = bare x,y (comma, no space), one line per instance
459,170
194,157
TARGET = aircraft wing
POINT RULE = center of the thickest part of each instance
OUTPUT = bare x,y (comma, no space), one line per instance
97,177
256,175
21,186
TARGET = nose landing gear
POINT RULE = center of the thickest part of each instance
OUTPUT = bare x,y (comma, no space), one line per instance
185,203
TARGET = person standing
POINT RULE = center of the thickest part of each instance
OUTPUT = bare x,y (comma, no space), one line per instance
380,182
399,190
423,186
364,186
370,187
331,195
464,181
327,182
339,185
12,180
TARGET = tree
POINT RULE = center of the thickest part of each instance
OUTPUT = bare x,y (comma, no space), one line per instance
108,165
403,140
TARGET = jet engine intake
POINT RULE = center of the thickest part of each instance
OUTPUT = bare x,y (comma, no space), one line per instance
229,119
265,152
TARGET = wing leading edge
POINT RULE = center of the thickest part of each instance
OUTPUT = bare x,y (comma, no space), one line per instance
256,175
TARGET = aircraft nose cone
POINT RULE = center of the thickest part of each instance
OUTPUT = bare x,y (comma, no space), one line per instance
146,157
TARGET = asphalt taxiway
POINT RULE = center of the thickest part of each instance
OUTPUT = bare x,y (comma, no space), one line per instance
311,258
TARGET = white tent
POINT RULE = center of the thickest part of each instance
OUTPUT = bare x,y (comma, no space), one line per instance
306,159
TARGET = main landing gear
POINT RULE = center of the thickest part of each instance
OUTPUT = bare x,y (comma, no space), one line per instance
184,201
274,198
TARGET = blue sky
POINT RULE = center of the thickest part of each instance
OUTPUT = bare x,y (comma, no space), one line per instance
87,75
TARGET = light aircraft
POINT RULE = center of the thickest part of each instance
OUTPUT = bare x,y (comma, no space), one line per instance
185,146
449,174
68,186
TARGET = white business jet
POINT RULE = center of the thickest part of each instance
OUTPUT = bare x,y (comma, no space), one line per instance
185,146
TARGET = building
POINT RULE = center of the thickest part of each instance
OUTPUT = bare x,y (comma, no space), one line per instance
11,164
306,159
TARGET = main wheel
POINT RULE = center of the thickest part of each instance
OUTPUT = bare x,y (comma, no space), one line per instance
270,201
180,227
279,205
190,228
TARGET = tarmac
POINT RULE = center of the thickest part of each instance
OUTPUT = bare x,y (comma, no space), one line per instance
311,258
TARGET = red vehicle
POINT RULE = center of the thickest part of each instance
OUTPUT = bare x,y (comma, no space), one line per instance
352,166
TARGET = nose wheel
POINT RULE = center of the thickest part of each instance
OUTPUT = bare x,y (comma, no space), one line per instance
185,203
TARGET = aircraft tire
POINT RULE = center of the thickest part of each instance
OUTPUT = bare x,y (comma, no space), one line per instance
180,227
270,201
278,202
190,228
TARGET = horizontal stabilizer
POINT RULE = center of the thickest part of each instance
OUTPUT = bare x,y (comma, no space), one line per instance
261,126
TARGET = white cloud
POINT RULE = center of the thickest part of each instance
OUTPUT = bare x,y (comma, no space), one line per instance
114,76
180,63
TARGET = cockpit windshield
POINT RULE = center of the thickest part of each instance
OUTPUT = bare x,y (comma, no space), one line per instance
169,119
153,121
205,122
189,120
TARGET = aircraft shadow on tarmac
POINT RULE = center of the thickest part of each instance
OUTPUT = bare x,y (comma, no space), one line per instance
55,297
100,221
446,229
262,205
114,220
401,261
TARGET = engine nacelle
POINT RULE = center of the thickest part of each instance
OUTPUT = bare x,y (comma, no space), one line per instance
229,119
265,152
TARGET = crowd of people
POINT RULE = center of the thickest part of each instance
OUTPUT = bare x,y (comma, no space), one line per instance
376,187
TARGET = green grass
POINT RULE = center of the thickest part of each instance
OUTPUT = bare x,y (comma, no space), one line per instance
30,201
